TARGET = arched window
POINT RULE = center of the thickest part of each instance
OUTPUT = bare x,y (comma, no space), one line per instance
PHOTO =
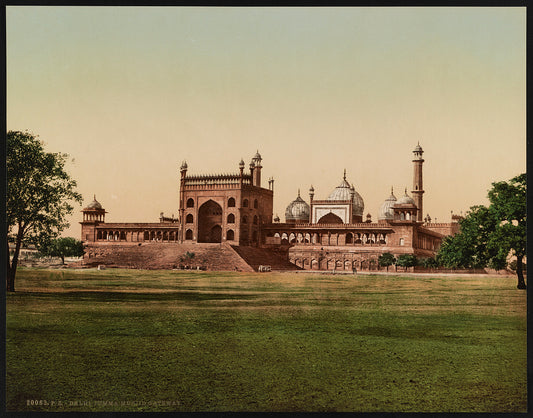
188,234
189,218
256,204
254,236
146,236
231,202
256,219
99,235
122,236
230,235
231,218
190,203
402,241
349,238
244,220
245,203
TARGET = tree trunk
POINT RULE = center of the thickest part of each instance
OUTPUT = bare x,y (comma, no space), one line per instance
520,274
12,268
9,279
62,259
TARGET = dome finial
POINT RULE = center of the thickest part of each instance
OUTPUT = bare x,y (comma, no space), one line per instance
94,196
298,192
406,191
391,190
344,177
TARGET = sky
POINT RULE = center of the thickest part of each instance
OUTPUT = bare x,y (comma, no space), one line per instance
131,92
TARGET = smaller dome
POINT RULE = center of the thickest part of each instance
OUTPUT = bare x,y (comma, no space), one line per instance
418,148
311,189
257,155
298,210
241,163
406,200
183,165
276,218
386,211
95,204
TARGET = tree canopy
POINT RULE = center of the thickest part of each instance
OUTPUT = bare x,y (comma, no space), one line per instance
62,247
488,235
406,260
40,194
386,260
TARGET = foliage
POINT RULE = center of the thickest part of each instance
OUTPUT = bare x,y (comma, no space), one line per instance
386,260
429,262
468,248
406,260
62,247
39,194
489,234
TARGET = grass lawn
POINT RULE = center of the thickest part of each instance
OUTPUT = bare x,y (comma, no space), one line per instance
133,340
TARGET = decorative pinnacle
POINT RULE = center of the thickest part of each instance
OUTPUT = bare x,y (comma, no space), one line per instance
298,192
94,196
344,177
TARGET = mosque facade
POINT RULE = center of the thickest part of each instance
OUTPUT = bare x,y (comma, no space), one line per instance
328,234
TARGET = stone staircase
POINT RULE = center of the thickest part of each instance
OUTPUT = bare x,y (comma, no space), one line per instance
213,257
278,260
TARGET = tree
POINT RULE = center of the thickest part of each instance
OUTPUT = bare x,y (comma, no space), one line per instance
468,248
508,205
489,234
62,247
428,263
406,260
386,260
39,194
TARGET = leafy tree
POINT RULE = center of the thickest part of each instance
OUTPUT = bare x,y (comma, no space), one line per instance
386,260
468,248
39,194
489,234
406,260
508,205
429,262
62,247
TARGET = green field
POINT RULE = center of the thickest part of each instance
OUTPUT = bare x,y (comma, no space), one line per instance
130,340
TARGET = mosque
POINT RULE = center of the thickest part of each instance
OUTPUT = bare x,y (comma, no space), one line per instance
234,210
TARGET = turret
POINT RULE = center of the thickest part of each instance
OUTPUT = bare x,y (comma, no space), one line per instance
256,175
418,188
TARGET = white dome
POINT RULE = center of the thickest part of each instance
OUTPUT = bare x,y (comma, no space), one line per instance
406,200
298,210
344,192
95,204
386,211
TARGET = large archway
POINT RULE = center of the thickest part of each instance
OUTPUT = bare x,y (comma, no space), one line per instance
330,218
210,222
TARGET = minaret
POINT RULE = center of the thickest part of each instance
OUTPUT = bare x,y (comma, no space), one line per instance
418,187
256,175
183,172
